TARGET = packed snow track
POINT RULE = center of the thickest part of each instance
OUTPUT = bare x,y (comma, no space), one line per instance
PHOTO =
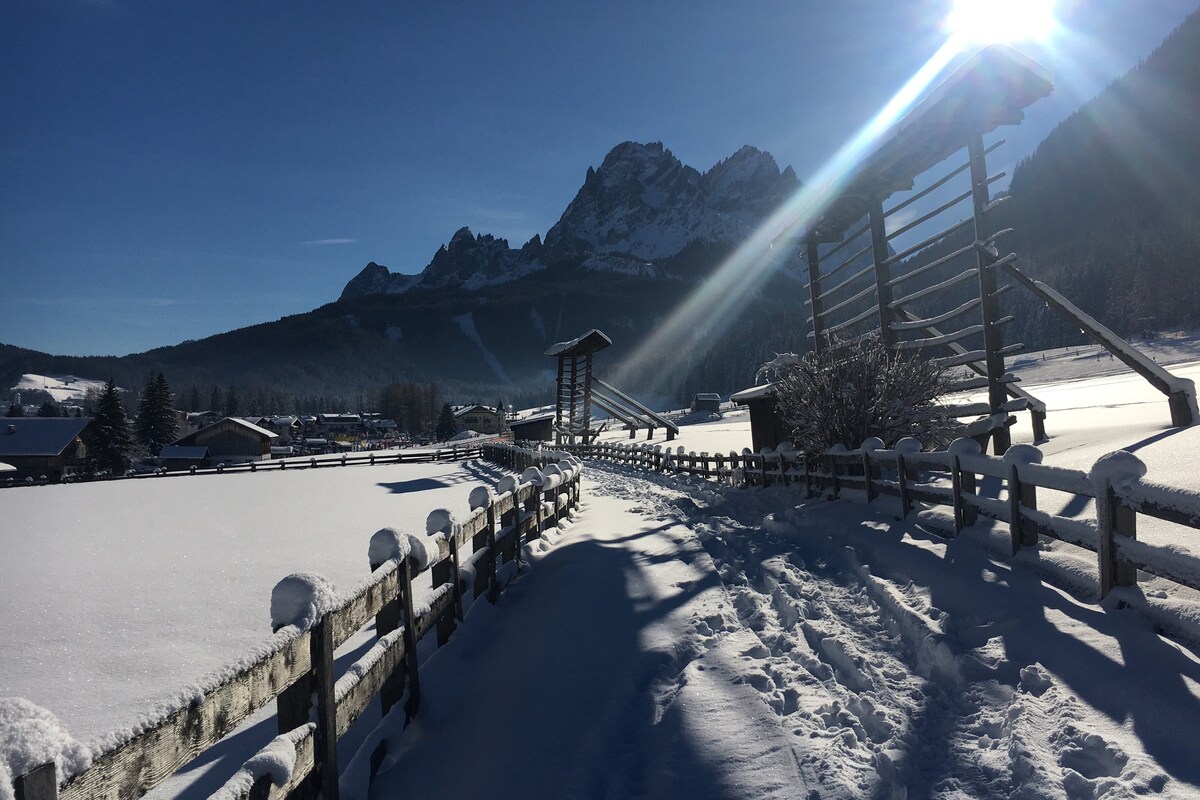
685,639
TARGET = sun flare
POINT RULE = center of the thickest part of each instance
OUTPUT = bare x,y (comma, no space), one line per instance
1002,21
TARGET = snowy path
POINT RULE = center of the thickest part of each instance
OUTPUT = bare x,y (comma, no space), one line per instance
685,639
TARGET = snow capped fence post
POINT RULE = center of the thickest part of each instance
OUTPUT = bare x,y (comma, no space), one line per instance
1113,518
40,783
962,482
441,522
304,599
1021,495
386,544
905,445
869,446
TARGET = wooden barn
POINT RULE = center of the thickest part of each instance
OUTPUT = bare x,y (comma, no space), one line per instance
231,441
37,446
534,428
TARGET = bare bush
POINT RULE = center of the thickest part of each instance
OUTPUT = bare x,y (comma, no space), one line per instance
845,393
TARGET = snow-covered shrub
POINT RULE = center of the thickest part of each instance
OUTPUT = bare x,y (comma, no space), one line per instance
844,394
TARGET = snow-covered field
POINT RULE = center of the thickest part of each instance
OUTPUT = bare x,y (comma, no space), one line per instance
60,387
679,638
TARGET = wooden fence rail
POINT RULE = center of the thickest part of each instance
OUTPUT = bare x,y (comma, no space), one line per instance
278,465
952,478
314,706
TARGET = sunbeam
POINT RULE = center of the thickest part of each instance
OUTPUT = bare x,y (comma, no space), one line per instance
713,306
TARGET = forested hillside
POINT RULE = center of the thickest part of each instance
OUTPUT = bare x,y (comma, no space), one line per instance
1107,209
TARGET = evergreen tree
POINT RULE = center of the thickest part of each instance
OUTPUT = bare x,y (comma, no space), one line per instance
194,399
231,402
47,409
156,423
214,400
78,412
15,410
446,424
109,441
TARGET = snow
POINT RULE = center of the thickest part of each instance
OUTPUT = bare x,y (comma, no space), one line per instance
61,388
118,597
277,761
678,637
31,736
301,599
692,639
466,324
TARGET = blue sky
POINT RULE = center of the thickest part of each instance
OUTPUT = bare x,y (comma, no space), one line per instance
171,170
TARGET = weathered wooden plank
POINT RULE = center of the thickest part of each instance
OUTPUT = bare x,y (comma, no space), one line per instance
1182,568
135,767
265,789
358,688
356,611
40,783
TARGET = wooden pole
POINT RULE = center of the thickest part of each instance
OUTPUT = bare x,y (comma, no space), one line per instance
993,334
814,289
883,273
40,783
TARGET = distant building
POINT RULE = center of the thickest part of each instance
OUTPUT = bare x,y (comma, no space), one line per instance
766,427
707,401
231,441
483,419
339,424
181,457
37,446
534,428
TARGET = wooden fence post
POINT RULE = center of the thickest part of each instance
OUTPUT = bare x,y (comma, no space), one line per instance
1113,517
325,744
962,482
1021,495
40,783
392,612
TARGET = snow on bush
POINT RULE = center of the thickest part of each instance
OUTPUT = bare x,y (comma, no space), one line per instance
301,599
29,737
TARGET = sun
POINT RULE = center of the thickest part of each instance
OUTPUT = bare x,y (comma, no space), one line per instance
1002,21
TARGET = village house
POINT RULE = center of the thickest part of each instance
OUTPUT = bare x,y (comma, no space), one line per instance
231,441
481,419
49,446
707,401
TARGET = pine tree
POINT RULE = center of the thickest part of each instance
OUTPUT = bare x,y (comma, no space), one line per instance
194,399
47,409
156,423
110,442
446,424
214,400
15,410
231,402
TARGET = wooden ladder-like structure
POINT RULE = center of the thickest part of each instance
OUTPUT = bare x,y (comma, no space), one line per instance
577,389
876,271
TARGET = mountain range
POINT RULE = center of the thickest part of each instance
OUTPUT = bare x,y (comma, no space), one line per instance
1106,209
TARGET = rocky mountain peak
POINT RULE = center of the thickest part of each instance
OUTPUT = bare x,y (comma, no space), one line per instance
641,204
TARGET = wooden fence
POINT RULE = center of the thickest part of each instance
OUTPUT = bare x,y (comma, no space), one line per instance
952,478
276,465
314,706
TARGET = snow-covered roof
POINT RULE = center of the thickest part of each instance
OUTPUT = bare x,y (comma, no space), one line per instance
468,409
346,418
7,467
707,396
754,393
39,436
590,342
531,419
250,426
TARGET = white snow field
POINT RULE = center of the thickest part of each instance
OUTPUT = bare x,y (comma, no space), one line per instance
679,638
